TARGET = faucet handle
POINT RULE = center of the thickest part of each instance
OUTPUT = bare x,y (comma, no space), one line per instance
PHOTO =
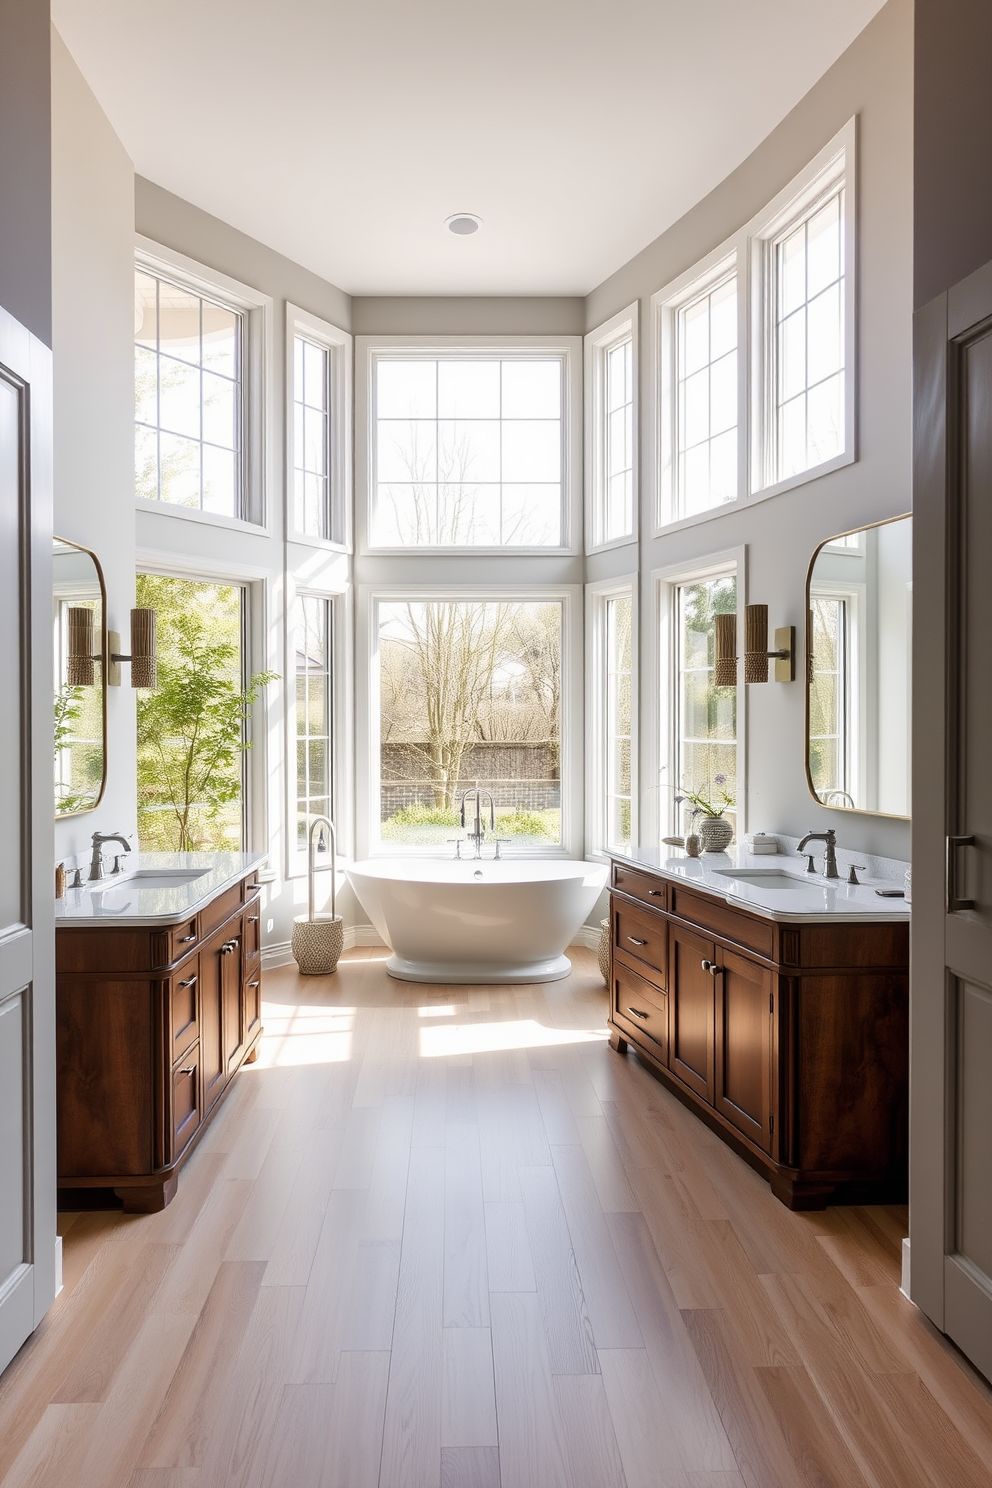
852,876
810,867
501,842
458,846
119,862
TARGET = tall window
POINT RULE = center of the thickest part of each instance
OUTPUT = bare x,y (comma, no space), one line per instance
809,339
314,756
311,437
831,760
470,694
468,451
706,399
618,679
618,512
706,715
191,730
189,353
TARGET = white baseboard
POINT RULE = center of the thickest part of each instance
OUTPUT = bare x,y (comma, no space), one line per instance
58,1264
904,1278
280,953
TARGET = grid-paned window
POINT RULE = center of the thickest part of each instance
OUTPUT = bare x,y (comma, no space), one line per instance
468,452
706,399
314,754
311,437
618,679
618,517
706,715
829,752
809,339
188,360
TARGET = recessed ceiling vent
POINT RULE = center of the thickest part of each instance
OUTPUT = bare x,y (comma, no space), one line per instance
463,223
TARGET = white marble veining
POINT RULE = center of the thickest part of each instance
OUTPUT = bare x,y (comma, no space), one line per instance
143,894
806,896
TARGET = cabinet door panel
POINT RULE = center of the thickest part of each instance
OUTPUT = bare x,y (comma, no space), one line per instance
212,1061
692,989
639,1005
230,983
744,1041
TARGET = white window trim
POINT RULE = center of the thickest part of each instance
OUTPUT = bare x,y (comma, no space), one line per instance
342,714
260,654
597,595
367,750
338,345
258,380
597,344
748,245
368,348
661,699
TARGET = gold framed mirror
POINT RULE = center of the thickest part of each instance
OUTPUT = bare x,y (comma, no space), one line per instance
859,632
79,630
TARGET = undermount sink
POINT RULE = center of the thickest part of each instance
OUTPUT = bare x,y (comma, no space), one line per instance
765,878
152,878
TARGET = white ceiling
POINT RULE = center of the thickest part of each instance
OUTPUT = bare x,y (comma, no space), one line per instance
343,135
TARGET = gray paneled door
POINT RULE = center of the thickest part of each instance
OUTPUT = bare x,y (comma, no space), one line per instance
951,1180
27,997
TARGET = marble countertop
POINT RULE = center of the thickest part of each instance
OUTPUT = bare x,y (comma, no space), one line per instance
811,897
132,898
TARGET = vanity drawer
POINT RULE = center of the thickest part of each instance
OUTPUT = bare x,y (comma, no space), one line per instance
252,940
185,1099
183,1000
748,930
642,936
640,1009
220,909
181,937
651,891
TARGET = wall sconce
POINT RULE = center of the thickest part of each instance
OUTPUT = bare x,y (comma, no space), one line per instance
756,652
143,657
79,668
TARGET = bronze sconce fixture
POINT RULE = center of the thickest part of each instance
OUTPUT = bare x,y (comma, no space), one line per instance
756,652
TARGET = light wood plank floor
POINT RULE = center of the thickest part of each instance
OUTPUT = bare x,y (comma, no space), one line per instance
444,1237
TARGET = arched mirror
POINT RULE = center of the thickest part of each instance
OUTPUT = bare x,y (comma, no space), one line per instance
79,623
859,603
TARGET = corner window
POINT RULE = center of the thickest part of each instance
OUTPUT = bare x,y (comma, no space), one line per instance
189,398
319,438
610,725
469,694
611,372
468,448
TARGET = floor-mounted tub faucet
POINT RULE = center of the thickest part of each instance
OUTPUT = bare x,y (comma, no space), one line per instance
480,831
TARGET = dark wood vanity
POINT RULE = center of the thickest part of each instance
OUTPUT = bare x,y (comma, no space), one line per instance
788,1038
152,1024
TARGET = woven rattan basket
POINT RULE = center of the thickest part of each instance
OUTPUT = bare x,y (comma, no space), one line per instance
604,950
318,939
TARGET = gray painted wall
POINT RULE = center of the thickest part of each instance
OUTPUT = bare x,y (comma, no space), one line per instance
873,79
93,341
25,165
952,230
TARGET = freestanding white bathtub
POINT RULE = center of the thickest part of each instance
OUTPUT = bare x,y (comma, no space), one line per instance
472,921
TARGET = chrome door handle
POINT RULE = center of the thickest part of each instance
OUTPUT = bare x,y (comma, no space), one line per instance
954,903
636,1013
189,982
634,940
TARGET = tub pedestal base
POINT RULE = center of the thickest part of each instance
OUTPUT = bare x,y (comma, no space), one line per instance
551,970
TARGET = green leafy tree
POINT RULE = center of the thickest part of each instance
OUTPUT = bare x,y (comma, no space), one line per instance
192,729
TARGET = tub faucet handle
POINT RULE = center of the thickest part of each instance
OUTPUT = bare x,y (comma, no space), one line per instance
458,846
501,842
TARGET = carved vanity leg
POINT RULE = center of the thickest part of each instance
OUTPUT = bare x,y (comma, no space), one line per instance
618,1042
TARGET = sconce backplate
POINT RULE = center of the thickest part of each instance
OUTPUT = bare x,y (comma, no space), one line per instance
114,667
785,666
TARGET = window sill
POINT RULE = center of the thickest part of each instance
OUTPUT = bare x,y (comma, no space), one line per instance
323,544
208,519
628,541
766,493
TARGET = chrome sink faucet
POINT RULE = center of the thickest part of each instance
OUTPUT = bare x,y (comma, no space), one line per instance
480,830
829,852
96,862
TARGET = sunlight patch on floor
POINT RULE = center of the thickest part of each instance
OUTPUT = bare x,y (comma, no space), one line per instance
438,1010
304,1034
488,1038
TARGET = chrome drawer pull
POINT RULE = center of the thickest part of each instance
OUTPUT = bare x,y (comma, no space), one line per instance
636,1013
253,984
711,967
189,982
185,939
634,940
656,893
228,947
253,919
189,1070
